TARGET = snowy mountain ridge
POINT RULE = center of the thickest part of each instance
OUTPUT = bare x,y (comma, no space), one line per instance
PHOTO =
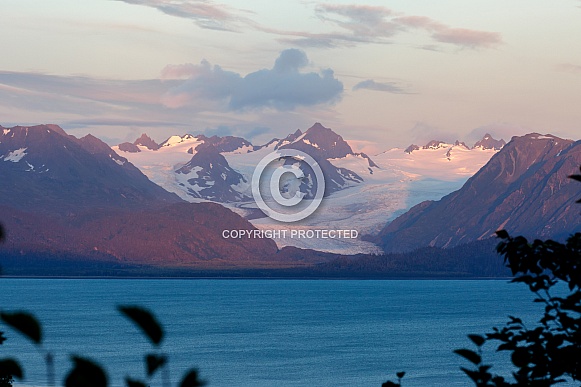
364,193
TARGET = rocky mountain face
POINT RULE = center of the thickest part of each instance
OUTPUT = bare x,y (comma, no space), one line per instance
323,142
63,196
523,189
44,168
487,142
227,144
207,175
144,140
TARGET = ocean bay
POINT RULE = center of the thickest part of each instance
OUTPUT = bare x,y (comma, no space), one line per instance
268,332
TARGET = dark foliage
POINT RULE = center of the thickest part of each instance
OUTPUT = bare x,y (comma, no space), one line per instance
191,379
86,372
550,352
389,383
24,323
146,321
9,368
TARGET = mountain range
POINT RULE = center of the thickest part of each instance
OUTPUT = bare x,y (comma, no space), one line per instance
523,189
77,198
360,190
145,203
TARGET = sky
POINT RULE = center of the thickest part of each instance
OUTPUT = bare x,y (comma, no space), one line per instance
382,74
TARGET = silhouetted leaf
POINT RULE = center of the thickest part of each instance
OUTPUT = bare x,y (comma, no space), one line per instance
474,375
477,339
134,383
389,383
145,320
153,363
24,323
502,234
2,338
469,355
400,374
86,374
191,379
520,357
10,367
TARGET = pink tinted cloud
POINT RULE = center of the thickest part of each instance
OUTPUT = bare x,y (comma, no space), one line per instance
419,22
467,38
205,13
376,24
179,71
355,24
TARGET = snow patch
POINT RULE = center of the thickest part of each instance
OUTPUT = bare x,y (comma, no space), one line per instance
242,150
314,145
6,131
16,156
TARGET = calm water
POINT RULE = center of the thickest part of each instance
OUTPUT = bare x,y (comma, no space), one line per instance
268,332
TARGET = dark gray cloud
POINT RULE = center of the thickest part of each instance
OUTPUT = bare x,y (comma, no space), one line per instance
389,87
121,109
284,87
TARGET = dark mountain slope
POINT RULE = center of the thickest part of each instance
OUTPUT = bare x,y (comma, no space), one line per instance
208,175
45,169
523,188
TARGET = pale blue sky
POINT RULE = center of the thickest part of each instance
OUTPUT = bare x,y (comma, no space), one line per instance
387,72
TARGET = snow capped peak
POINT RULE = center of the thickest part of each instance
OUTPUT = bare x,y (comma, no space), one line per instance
461,143
435,144
488,142
175,140
328,143
146,141
537,136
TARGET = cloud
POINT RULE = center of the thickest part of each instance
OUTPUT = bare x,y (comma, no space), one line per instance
361,20
354,24
205,14
389,87
284,87
179,71
462,37
467,38
380,25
